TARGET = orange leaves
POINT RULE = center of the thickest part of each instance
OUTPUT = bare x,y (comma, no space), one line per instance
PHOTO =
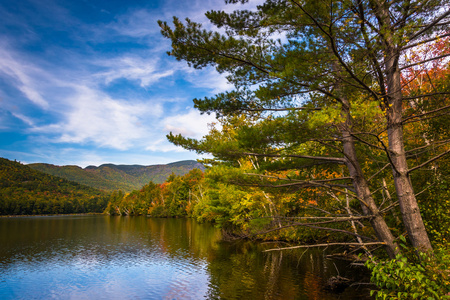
424,71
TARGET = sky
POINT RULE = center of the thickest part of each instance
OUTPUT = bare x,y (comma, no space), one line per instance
87,82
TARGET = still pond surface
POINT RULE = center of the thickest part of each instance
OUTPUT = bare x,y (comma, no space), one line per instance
103,257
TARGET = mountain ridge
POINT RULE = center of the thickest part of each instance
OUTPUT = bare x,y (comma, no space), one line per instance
111,177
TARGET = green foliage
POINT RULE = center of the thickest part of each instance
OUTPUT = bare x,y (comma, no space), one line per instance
24,191
407,277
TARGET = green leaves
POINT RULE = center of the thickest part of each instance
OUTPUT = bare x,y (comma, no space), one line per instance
403,278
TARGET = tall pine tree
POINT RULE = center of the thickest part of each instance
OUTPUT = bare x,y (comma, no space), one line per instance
321,83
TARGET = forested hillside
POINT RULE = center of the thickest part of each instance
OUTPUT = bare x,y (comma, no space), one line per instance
109,177
25,191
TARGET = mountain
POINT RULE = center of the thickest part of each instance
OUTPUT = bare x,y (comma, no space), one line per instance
25,191
109,177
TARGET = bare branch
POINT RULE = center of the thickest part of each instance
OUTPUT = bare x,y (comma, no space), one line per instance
424,61
297,180
425,95
325,245
312,225
386,150
429,161
330,159
365,142
283,109
426,113
378,172
433,144
425,41
429,26
302,184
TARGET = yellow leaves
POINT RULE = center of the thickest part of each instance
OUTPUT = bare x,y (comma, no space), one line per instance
328,115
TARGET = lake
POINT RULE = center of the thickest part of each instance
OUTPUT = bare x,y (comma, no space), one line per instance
105,257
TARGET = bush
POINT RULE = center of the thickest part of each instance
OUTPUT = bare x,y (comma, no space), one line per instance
405,278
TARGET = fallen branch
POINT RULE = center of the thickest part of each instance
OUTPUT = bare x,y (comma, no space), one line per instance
325,245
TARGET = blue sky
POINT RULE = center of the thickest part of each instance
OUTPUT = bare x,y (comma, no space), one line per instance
86,82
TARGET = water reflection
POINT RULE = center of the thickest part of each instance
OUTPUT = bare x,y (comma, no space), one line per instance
96,257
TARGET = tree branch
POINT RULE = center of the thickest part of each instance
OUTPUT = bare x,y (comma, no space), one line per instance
425,95
429,26
429,161
425,113
330,159
425,41
336,52
325,245
424,61
283,109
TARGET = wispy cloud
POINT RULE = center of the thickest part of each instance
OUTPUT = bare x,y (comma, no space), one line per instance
146,71
136,23
21,74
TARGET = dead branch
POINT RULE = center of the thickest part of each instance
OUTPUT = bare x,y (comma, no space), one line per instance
424,61
425,41
325,245
330,159
426,113
429,161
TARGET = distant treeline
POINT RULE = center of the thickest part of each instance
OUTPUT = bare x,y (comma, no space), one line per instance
173,198
24,191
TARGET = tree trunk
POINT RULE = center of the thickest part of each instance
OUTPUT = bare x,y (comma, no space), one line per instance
361,186
407,200
393,105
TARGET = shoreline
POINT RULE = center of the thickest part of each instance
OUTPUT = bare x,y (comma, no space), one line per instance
50,215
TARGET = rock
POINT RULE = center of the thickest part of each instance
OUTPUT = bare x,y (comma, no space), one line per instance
337,284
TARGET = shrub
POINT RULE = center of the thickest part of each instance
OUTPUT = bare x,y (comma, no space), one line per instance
405,278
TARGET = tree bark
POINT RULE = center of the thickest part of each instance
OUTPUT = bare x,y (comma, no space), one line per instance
393,105
361,186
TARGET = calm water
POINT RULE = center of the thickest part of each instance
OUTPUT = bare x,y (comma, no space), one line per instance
102,257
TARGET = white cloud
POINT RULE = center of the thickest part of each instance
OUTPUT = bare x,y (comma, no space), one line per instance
25,119
133,68
136,23
98,119
207,78
191,124
22,74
